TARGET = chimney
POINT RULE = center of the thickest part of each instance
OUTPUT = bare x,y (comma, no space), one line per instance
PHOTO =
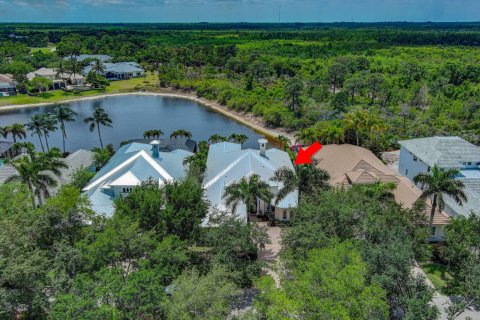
263,147
155,149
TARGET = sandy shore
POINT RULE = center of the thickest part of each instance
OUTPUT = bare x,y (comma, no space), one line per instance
254,122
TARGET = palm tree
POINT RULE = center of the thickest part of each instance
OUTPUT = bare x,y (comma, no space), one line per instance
238,138
181,133
64,114
332,134
99,117
216,138
49,121
355,121
246,191
283,140
306,136
307,179
36,126
98,66
35,169
17,130
439,182
152,134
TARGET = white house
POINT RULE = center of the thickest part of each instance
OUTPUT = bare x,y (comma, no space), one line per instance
59,79
227,163
420,155
131,165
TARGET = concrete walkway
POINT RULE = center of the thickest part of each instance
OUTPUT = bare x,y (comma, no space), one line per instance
443,301
269,254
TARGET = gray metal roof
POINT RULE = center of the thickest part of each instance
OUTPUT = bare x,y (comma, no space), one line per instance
75,161
444,151
131,164
228,163
472,205
119,67
5,146
81,57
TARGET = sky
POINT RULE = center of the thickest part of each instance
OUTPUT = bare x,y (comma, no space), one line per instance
238,10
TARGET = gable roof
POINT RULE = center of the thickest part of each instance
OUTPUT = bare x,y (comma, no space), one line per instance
75,161
443,151
228,163
132,164
348,164
81,57
168,145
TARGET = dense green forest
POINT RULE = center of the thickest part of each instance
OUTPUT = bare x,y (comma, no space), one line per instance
370,84
346,254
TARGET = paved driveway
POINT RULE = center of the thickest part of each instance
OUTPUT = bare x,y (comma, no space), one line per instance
270,253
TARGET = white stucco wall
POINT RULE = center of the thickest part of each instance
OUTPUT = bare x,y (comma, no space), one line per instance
279,214
408,167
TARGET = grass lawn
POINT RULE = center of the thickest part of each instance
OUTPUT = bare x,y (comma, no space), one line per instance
53,96
437,274
43,49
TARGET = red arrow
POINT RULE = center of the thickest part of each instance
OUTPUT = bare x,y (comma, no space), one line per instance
305,156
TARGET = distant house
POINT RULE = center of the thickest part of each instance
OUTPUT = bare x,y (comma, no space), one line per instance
420,155
119,70
228,163
352,165
82,57
60,80
75,161
7,86
131,165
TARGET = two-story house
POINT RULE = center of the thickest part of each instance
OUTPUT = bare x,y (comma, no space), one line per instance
420,155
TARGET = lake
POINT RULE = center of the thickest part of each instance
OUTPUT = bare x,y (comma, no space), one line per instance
131,116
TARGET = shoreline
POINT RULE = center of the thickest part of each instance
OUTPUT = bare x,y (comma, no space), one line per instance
250,120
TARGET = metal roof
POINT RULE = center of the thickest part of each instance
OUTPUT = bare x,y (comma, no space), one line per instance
446,152
119,67
228,163
132,164
81,57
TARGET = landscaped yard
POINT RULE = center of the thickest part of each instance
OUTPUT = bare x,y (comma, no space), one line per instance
437,274
133,84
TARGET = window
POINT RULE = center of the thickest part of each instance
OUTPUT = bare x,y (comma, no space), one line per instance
415,158
428,169
469,163
127,190
433,231
285,214
406,172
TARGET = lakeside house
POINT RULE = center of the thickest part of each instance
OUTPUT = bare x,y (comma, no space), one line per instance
60,80
420,155
82,57
227,163
118,71
168,145
131,165
7,85
75,161
352,165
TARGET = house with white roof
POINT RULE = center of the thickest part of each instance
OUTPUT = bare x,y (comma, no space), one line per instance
131,165
59,79
420,155
227,163
118,71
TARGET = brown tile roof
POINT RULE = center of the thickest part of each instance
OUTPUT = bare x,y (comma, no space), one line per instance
348,164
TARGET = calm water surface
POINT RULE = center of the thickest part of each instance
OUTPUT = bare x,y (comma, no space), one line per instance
131,116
